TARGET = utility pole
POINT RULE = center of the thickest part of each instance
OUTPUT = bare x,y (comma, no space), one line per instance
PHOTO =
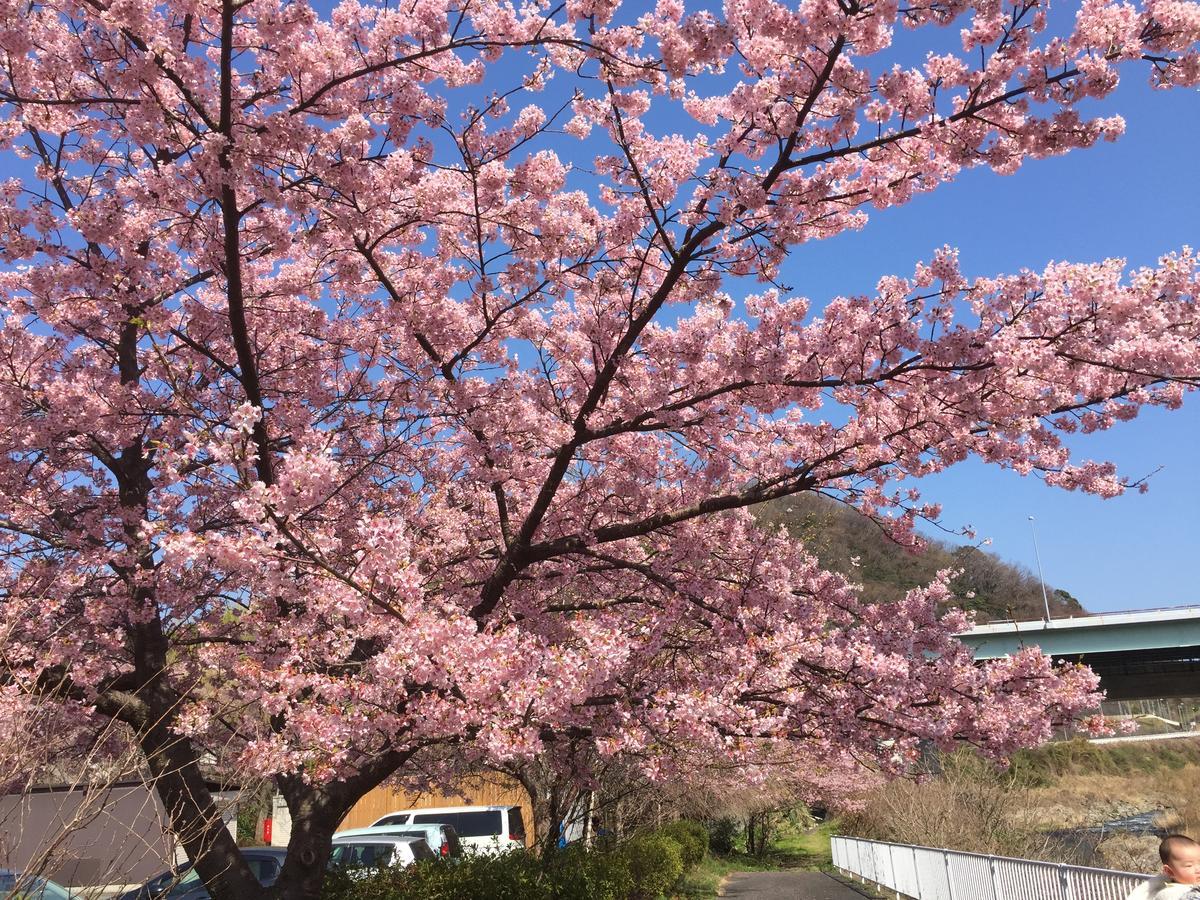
1042,578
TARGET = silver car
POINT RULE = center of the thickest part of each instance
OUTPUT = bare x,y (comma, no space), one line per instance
378,852
442,839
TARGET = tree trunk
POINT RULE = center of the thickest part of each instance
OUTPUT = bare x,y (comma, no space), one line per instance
316,814
588,831
548,802
195,820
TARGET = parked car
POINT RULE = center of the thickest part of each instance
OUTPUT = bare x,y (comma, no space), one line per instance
183,882
32,888
442,839
483,829
156,886
378,851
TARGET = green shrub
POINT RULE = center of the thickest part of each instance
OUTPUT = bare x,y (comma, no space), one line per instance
655,864
1174,760
692,838
340,886
575,873
509,876
723,835
581,874
644,868
516,875
252,807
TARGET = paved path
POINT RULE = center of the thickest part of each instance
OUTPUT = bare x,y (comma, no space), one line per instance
787,886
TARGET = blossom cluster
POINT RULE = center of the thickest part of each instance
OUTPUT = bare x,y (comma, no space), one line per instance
355,400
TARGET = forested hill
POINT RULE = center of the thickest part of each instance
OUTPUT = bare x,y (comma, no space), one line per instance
886,570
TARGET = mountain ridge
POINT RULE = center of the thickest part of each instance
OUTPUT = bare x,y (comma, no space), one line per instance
847,542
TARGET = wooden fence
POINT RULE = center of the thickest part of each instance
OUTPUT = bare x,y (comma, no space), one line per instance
472,792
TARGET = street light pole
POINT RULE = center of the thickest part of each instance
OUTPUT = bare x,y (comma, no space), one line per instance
1042,578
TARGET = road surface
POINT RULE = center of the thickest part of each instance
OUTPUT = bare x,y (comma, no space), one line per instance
787,886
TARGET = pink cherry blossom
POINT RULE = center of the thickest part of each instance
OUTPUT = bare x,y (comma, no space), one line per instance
373,383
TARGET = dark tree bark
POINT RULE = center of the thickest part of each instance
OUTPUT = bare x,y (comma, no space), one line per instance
194,817
551,797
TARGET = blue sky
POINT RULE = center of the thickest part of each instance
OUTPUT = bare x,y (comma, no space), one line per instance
1136,198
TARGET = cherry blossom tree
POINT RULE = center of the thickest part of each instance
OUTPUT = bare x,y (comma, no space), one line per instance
388,376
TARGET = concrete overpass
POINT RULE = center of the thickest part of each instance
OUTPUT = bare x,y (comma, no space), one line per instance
1138,655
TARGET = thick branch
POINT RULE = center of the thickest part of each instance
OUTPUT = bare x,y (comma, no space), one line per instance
231,223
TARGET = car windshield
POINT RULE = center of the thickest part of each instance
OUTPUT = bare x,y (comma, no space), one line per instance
361,854
164,880
393,820
161,881
31,888
189,881
51,891
484,823
264,870
516,823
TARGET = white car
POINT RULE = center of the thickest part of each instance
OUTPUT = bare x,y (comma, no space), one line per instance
441,838
480,829
378,852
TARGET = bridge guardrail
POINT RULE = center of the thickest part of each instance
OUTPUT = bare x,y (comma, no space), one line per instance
929,873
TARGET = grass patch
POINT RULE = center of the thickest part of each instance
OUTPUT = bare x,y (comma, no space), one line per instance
792,848
1044,765
867,890
705,880
803,850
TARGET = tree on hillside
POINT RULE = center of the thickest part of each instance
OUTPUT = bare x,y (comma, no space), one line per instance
344,416
849,543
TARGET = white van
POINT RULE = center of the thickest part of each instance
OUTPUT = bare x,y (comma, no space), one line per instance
480,829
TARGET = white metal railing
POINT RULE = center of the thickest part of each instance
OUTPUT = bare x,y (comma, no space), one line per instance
926,873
